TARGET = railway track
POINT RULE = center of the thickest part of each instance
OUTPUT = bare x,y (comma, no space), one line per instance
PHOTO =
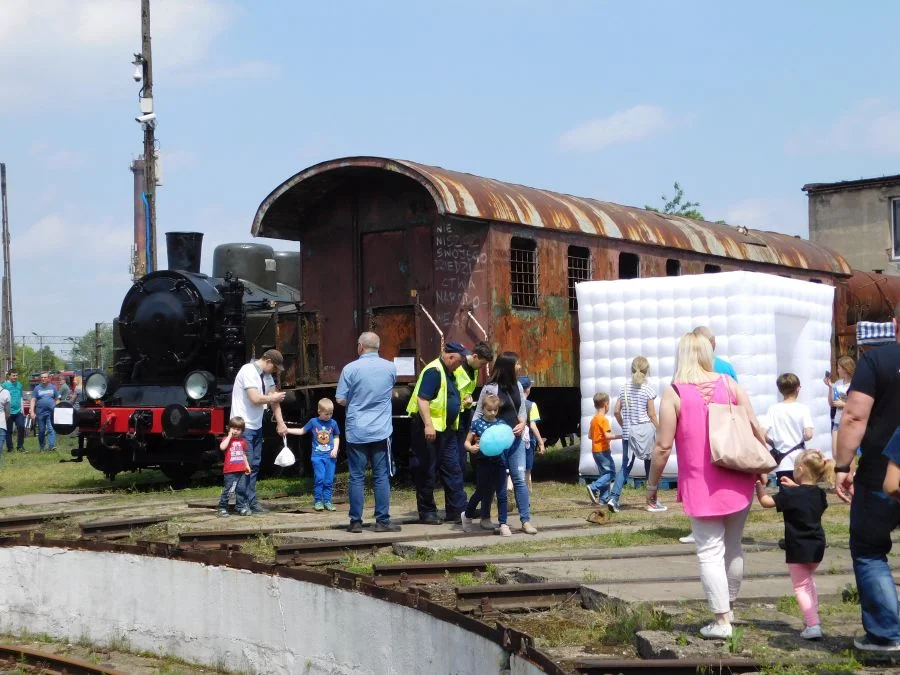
50,664
491,598
28,521
667,666
121,527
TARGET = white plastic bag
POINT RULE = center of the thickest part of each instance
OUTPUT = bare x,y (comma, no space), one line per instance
285,457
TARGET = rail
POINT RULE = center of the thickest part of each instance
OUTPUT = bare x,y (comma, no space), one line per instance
17,656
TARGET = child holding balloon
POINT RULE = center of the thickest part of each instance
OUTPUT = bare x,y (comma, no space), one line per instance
488,438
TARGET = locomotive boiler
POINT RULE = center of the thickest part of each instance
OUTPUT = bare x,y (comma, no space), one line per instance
181,337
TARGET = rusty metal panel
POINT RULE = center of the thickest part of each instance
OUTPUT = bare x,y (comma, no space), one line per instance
396,326
871,297
385,269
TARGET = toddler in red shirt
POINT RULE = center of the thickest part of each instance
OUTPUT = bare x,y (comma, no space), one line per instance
235,468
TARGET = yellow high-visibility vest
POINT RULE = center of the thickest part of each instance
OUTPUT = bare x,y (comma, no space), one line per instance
466,386
438,405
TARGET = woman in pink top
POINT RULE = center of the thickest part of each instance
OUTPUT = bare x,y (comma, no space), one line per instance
717,500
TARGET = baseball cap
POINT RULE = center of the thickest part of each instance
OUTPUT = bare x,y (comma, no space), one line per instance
525,381
456,348
275,357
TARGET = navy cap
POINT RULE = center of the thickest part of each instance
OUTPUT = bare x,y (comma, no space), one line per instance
456,348
525,381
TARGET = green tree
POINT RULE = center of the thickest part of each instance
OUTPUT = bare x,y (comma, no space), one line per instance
30,360
83,352
678,205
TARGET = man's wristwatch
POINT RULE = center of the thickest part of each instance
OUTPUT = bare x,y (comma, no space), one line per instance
842,469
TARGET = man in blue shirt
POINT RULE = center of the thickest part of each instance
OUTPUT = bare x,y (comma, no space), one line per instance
14,387
365,388
435,408
43,400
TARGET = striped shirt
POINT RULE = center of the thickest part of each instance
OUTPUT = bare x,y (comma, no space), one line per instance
634,406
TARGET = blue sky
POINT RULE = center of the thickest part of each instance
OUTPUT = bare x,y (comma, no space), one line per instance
741,103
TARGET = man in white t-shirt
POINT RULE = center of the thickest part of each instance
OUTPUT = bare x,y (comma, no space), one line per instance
790,425
254,389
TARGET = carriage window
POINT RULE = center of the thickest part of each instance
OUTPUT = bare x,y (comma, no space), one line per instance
629,266
816,281
673,267
711,269
523,269
579,270
895,228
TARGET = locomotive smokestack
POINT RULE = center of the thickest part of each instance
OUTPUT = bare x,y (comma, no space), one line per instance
183,250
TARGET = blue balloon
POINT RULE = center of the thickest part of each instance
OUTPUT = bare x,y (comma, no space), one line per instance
496,439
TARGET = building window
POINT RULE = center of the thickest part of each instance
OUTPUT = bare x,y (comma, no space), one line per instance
523,269
816,281
629,266
673,268
711,269
579,270
895,227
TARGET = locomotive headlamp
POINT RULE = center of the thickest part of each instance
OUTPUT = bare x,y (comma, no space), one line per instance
198,384
96,386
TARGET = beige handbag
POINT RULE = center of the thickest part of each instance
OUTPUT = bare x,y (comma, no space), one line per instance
732,443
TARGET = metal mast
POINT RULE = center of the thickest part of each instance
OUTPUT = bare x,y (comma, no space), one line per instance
144,64
9,347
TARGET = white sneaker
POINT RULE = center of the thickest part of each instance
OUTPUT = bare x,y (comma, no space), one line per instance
687,540
528,528
486,524
812,632
592,495
504,530
613,505
656,507
716,631
730,616
466,522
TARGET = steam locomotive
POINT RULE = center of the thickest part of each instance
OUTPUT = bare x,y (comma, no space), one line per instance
181,336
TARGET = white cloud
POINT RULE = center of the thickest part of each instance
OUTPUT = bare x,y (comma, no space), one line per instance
65,50
872,127
633,124
63,271
777,214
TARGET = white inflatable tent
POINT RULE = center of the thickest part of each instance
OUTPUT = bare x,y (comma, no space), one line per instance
764,324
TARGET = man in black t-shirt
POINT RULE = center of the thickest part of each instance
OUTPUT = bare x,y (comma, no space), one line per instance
871,415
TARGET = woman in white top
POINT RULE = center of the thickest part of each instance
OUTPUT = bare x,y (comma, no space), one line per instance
837,392
636,414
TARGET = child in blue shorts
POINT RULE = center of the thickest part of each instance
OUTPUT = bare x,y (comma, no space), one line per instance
325,444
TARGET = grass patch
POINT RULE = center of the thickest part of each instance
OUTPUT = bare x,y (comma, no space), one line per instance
735,643
787,604
262,548
623,621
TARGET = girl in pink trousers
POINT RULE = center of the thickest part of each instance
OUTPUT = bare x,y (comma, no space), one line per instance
802,504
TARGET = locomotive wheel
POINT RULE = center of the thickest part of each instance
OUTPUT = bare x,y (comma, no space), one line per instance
179,473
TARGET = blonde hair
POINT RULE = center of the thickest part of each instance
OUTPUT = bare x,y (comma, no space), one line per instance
640,366
326,405
694,361
492,401
816,466
848,364
600,399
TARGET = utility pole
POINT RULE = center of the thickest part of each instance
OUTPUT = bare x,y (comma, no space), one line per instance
97,345
144,64
9,346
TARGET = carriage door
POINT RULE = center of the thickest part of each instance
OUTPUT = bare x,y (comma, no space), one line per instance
387,306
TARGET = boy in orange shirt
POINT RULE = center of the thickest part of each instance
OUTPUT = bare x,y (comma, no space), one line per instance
601,434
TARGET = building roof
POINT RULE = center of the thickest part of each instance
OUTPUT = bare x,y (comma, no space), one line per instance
852,184
468,196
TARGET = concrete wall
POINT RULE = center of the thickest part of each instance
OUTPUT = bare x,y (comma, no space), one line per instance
857,224
232,619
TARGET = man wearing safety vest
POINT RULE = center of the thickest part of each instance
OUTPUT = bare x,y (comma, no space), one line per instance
467,379
435,406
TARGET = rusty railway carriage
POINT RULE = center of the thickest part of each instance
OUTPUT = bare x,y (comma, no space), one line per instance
419,254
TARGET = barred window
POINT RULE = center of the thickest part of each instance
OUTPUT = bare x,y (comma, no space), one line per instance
711,269
523,269
673,268
629,266
579,270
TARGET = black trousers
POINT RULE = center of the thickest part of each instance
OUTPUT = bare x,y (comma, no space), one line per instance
439,455
465,421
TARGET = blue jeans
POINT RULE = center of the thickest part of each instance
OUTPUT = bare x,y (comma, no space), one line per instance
873,516
529,453
607,467
234,482
323,470
490,479
19,420
44,419
440,455
246,499
360,455
514,457
625,469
